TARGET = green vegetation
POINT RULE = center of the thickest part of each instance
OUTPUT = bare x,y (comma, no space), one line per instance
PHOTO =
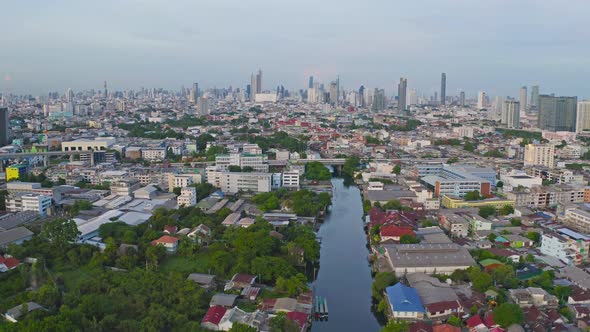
372,140
409,125
506,210
280,140
394,204
473,196
486,211
408,239
450,141
78,206
468,146
351,165
576,166
303,202
510,133
41,178
507,314
280,323
396,326
452,160
382,281
397,169
494,154
316,171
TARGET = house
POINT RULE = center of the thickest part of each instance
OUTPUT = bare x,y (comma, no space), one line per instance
439,299
231,220
170,230
12,315
445,328
201,234
224,300
300,318
169,242
404,302
420,327
475,324
395,232
507,253
578,296
213,317
490,264
250,293
240,281
8,263
533,296
206,281
236,315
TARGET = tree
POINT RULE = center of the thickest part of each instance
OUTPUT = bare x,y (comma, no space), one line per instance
506,210
507,314
469,146
408,239
177,191
280,323
292,286
382,281
492,237
239,327
486,211
60,232
500,184
452,160
562,292
316,171
534,236
396,326
351,165
397,169
473,196
455,321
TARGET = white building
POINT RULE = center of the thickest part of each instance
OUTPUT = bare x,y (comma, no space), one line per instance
481,100
291,179
28,202
578,219
97,144
511,114
188,196
566,245
153,153
266,98
258,162
233,182
583,116
539,155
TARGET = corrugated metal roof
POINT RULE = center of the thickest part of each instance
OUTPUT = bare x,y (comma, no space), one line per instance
404,298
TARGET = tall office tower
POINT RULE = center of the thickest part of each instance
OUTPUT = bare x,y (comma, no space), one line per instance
378,102
310,84
523,99
253,84
4,127
203,105
70,96
106,92
362,100
535,96
412,97
194,94
583,116
557,113
443,88
259,81
333,93
402,88
481,100
338,90
497,107
539,155
435,99
511,114
462,98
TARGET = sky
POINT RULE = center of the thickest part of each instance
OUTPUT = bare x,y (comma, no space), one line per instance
495,46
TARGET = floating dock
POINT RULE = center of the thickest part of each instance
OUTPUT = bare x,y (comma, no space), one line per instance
320,309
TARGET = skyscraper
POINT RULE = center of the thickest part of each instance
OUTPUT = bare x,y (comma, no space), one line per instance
535,96
259,81
401,94
310,84
106,92
523,99
481,100
412,97
253,84
333,92
462,98
511,114
443,88
557,113
4,127
362,100
583,116
194,94
378,102
70,96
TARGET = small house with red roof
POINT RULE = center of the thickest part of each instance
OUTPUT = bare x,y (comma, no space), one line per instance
8,263
445,328
394,232
169,242
299,318
170,230
240,281
213,317
475,324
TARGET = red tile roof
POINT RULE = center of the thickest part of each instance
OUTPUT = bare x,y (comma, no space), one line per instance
489,320
420,327
9,262
474,321
445,328
442,306
170,229
214,315
244,278
165,239
396,231
298,317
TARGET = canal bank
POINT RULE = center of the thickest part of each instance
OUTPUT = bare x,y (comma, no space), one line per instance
344,276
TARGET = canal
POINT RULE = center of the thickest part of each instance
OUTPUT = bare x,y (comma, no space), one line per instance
344,277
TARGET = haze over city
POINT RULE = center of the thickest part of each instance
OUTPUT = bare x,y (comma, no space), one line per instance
495,46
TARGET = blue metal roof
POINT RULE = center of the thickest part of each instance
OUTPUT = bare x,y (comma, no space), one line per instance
404,299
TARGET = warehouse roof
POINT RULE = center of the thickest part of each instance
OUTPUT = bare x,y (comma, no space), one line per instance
428,255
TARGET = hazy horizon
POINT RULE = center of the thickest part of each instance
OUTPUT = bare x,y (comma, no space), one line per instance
490,46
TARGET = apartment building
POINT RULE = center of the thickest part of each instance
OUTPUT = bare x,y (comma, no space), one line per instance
290,179
556,176
566,245
28,202
578,219
233,182
125,187
539,155
153,153
188,196
538,197
258,162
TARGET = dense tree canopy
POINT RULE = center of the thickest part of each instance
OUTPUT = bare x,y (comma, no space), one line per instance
316,171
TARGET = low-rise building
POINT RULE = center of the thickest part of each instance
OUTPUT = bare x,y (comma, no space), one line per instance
427,258
153,153
188,196
566,245
233,182
404,302
29,202
451,202
533,296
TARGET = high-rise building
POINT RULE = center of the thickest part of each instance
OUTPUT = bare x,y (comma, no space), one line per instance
333,92
535,96
203,105
557,113
70,96
4,127
462,98
310,84
402,88
362,100
481,100
539,155
443,88
253,84
583,116
511,114
106,92
412,97
378,101
523,99
259,81
194,94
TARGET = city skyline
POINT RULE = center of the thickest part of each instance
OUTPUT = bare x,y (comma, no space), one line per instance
154,44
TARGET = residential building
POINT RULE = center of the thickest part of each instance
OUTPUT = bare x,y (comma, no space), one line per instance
16,172
29,202
566,245
539,155
233,182
551,196
557,113
559,176
443,88
152,154
4,127
16,235
188,196
523,99
533,296
125,187
258,162
583,116
169,242
578,219
402,89
511,114
481,100
290,179
456,224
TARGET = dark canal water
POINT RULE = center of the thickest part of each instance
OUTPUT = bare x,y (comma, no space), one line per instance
344,277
